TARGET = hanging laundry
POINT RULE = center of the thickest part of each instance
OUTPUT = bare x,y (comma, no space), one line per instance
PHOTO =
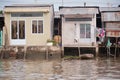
100,34
109,43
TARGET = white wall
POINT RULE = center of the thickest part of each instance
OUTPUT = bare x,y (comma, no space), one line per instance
69,32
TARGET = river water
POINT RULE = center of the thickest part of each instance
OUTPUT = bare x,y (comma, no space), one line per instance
95,69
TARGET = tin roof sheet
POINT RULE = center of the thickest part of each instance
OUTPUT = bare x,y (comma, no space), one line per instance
78,10
109,9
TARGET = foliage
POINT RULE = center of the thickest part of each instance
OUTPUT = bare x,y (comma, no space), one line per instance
52,41
1,12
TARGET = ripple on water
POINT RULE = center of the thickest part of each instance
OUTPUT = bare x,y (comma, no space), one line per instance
96,69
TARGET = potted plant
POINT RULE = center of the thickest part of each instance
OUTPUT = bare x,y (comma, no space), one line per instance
50,42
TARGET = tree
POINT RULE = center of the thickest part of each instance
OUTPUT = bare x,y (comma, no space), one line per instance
1,12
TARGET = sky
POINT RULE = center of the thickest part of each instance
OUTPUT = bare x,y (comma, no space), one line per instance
57,3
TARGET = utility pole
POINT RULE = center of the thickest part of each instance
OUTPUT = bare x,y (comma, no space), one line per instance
84,4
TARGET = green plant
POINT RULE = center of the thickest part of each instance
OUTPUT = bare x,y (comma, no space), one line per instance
1,12
52,41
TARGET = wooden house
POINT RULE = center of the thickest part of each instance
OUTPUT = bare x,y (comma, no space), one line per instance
78,26
110,17
28,24
111,20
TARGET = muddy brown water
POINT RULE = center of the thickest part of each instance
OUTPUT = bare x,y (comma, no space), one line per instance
95,69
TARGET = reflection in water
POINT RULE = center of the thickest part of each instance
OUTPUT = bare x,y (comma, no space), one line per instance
97,69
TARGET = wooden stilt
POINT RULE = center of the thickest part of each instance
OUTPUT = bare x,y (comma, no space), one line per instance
97,50
115,48
47,52
62,51
25,52
79,50
1,54
108,52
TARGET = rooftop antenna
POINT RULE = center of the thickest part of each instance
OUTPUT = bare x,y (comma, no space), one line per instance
84,4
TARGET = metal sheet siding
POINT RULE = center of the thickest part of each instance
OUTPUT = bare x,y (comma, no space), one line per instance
113,33
113,25
113,29
111,16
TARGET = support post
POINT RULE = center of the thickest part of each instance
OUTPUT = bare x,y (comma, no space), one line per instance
25,52
115,48
2,51
97,50
47,52
1,54
62,51
79,50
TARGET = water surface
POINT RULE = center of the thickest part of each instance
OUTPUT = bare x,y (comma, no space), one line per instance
95,69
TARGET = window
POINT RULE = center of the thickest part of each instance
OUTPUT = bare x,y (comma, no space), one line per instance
14,29
18,29
21,29
37,26
85,31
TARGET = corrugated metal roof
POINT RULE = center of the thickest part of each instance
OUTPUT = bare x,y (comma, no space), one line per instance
110,16
109,9
78,10
30,5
